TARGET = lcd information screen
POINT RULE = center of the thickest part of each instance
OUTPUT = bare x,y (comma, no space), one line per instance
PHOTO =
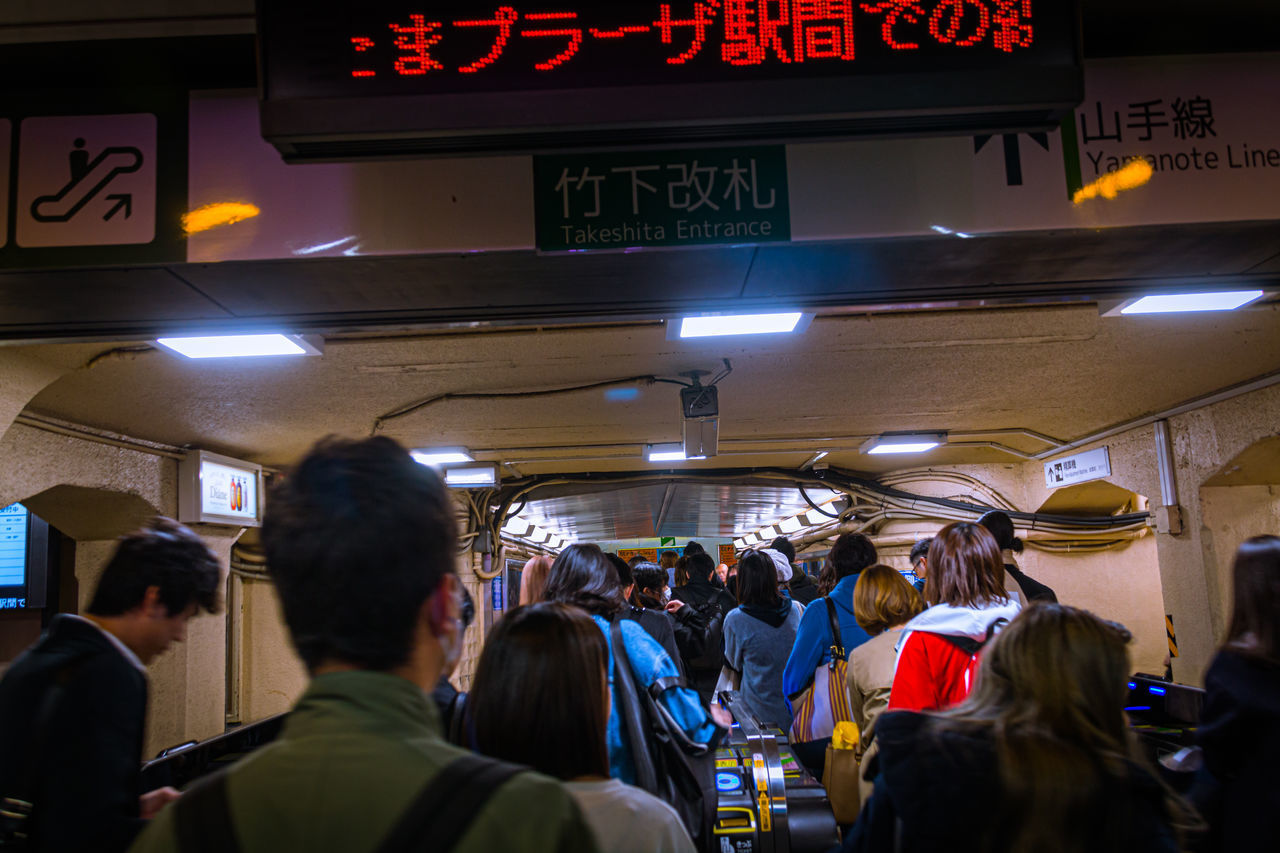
13,546
340,49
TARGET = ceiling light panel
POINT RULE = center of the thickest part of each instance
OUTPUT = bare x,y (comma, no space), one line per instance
903,443
437,456
240,346
740,324
1178,303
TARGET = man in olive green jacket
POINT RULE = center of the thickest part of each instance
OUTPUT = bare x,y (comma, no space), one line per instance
360,541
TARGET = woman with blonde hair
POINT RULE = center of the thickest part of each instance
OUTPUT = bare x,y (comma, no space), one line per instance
533,579
883,603
1037,758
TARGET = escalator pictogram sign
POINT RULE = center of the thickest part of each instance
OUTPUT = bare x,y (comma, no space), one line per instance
86,180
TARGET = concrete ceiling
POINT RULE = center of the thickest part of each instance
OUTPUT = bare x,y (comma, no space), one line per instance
1063,371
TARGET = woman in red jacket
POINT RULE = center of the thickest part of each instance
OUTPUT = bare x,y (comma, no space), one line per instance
939,650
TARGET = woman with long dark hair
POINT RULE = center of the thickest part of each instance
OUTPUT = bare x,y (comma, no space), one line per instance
1037,758
1238,791
556,653
583,576
936,656
758,636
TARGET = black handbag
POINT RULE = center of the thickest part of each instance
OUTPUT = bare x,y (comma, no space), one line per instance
668,764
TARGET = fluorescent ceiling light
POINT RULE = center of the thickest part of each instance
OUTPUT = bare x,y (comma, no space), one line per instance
517,527
903,443
239,346
739,324
436,456
790,525
740,544
813,517
672,452
1170,303
470,476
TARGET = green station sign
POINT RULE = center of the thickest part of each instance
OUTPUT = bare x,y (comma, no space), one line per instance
696,197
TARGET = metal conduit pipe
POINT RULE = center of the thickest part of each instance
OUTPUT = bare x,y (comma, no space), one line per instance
1164,461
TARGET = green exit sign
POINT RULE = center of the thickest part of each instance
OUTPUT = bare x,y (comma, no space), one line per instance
697,197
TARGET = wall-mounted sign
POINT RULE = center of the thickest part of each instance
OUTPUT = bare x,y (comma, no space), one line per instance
497,590
215,489
1078,468
706,196
13,545
650,554
728,555
344,79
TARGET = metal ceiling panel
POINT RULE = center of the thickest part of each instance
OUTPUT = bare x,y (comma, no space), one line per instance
692,510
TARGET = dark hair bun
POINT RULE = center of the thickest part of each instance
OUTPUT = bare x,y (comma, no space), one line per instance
1016,545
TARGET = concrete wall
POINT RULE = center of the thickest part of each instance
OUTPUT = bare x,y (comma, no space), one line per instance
272,676
114,488
1232,514
1122,584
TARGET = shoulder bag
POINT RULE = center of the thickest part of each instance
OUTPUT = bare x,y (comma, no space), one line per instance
825,701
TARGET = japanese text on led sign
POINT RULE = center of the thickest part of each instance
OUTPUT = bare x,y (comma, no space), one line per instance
731,32
468,46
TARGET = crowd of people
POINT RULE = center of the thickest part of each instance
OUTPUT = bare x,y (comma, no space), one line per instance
990,716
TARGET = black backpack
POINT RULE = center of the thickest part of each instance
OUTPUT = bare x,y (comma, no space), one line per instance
713,614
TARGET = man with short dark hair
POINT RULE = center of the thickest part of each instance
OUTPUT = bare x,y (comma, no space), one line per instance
711,604
803,589
361,542
920,561
74,705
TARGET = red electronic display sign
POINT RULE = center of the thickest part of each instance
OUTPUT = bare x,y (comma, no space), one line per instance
670,61
340,48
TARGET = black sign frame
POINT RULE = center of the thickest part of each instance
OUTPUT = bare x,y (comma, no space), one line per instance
325,121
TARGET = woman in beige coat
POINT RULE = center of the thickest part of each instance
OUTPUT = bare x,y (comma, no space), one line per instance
883,602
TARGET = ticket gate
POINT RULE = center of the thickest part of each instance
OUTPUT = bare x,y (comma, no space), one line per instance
768,802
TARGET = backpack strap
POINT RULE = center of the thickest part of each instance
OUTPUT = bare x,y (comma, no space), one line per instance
837,644
436,819
447,806
202,818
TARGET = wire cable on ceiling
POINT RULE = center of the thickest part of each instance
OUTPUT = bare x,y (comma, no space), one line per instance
507,395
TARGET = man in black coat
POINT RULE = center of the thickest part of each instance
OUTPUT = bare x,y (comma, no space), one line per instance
711,603
73,706
803,589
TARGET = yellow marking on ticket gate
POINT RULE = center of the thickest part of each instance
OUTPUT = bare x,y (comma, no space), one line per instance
726,763
733,824
766,814
1173,638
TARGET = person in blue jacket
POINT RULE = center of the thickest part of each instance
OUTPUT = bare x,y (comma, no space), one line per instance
583,576
851,553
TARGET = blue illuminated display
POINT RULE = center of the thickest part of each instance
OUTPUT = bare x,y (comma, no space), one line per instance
1156,691
13,545
728,782
1133,685
1138,708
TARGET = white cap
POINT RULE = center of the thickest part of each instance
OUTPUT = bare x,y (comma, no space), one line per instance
780,561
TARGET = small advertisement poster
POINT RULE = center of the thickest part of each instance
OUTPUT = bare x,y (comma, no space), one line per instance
227,491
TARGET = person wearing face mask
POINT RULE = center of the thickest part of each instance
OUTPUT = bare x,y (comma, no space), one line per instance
362,543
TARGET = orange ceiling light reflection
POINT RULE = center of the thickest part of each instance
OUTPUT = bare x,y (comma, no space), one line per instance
1134,174
216,215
